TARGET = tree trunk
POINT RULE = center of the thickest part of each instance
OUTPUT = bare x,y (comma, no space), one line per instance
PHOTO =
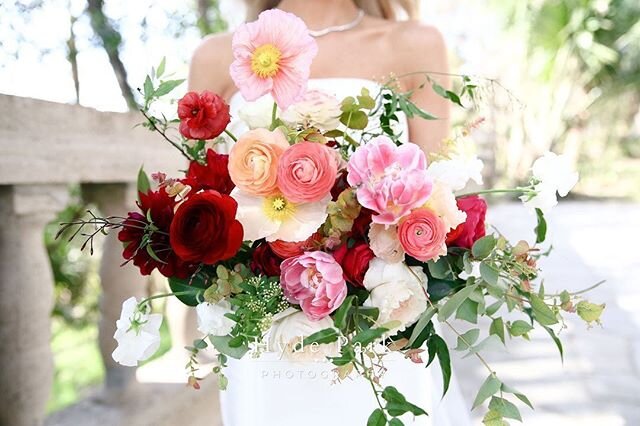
72,56
111,41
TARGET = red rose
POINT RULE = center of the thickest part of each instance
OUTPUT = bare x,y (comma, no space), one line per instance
202,116
362,223
158,206
467,233
354,261
205,229
213,175
264,261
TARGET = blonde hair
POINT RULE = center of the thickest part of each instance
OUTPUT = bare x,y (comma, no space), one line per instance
393,10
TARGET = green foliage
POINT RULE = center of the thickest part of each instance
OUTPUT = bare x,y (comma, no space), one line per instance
190,291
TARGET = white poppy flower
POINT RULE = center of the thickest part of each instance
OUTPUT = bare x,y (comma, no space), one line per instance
316,109
443,202
287,333
137,334
276,218
397,290
212,319
257,114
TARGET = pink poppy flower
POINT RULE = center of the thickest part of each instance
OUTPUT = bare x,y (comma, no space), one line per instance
273,55
390,180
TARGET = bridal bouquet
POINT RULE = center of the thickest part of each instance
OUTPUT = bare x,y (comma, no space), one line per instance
322,236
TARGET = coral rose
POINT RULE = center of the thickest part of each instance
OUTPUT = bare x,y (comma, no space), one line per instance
422,235
315,281
253,161
354,261
473,228
307,171
205,229
202,116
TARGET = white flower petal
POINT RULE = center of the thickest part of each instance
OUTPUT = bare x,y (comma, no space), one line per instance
136,343
306,220
251,215
212,319
286,333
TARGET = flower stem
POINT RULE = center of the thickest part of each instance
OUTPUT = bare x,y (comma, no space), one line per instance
231,135
163,295
274,113
496,191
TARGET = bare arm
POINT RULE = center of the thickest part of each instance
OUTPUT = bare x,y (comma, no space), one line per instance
209,68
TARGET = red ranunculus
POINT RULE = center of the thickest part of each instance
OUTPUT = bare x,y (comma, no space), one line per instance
264,261
467,233
158,206
205,229
202,115
213,175
354,261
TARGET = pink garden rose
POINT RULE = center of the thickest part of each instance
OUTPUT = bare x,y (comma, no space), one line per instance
315,281
307,172
391,180
273,55
422,235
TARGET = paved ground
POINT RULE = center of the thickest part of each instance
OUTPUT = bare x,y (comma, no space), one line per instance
599,383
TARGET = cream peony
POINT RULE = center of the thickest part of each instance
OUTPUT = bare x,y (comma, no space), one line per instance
443,202
317,109
137,334
397,290
286,333
385,244
212,319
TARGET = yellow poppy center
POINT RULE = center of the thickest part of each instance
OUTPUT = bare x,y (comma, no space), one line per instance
264,61
277,208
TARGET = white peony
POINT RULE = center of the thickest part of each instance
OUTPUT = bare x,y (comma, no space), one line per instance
288,332
385,244
316,109
257,114
443,202
137,334
397,290
552,174
212,319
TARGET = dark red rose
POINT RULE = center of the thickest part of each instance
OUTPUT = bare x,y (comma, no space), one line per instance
264,261
340,185
467,233
205,229
354,261
213,175
202,115
360,229
137,230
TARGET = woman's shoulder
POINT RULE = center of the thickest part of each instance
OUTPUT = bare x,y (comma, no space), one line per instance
210,62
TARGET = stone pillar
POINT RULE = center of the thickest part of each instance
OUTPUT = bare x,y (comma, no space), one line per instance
26,300
118,282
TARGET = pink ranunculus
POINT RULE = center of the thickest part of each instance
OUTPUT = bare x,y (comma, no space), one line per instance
307,172
391,180
315,281
422,235
273,55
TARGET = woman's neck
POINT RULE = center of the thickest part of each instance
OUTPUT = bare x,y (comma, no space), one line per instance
318,14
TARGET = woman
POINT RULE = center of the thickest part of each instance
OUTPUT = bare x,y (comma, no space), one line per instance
365,47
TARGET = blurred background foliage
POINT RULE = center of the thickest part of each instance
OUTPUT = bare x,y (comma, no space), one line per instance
572,68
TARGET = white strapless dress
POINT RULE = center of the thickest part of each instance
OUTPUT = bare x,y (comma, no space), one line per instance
269,391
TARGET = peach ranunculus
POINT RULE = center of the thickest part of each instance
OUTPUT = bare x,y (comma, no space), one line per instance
307,171
422,235
287,249
273,55
253,161
385,244
390,180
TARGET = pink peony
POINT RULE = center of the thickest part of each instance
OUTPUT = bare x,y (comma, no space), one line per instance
422,235
273,55
391,180
307,172
315,281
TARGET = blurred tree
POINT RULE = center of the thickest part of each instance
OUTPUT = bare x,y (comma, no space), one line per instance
210,19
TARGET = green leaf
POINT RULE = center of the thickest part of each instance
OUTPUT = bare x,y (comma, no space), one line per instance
489,274
356,120
347,356
556,340
366,337
365,100
327,335
221,343
397,404
497,328
440,269
454,302
153,254
439,289
192,288
340,317
483,247
493,418
589,312
517,394
505,408
468,311
468,339
200,344
166,87
377,418
161,67
520,328
143,181
437,346
148,88
542,313
493,308
395,422
541,228
490,386
488,343
422,323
